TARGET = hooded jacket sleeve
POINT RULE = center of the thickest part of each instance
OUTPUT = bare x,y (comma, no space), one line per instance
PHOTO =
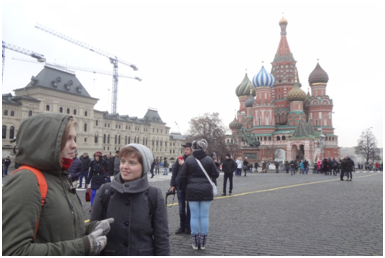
21,211
160,227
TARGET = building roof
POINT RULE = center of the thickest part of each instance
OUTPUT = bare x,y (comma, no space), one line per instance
9,99
152,115
58,79
318,75
244,87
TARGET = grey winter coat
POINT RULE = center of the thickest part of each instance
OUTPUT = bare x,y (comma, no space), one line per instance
132,232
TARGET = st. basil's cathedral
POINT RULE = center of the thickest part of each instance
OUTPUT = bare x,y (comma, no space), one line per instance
275,110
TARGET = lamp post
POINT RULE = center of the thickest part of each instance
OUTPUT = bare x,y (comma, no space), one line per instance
322,144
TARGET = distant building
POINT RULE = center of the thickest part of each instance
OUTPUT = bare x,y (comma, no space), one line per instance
275,110
59,91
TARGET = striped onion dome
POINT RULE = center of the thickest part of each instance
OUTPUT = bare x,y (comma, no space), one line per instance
244,87
235,125
249,102
263,78
318,75
296,94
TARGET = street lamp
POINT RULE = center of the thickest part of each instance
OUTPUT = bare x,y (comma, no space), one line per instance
322,143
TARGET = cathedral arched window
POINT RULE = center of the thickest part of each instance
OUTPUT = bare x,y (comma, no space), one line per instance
11,132
278,138
269,138
283,138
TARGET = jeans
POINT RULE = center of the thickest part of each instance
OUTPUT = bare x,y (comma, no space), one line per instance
305,170
165,171
85,175
225,177
183,215
199,212
152,172
292,171
238,172
342,174
93,193
349,173
5,172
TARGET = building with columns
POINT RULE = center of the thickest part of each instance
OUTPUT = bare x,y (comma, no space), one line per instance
288,123
58,90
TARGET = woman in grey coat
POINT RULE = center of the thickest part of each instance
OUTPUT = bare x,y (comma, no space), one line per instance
139,210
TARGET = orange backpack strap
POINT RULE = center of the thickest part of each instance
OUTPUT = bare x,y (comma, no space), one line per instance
42,186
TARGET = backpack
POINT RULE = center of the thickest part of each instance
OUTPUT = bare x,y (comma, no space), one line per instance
152,194
42,186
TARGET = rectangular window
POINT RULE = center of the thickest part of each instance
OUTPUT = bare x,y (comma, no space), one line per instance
85,127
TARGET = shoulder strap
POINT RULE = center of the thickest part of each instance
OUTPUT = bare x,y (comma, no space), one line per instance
204,170
42,186
106,195
152,194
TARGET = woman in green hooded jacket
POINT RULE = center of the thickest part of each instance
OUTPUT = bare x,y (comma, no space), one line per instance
46,142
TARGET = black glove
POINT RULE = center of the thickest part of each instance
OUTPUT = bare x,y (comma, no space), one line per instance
97,241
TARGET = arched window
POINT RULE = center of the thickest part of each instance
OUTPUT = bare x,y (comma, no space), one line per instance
97,122
12,113
104,138
283,138
119,139
264,138
61,109
5,112
96,138
68,111
47,108
30,113
269,138
85,113
278,138
85,127
11,132
125,139
4,131
116,139
74,111
108,138
129,139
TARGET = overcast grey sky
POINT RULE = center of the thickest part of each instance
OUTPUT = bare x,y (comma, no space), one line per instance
192,55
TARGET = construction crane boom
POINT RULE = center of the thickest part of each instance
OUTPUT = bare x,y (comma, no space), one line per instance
78,68
5,45
113,59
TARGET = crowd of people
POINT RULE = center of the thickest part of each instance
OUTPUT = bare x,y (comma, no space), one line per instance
128,215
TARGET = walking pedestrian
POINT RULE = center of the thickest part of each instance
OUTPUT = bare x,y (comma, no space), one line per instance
256,165
157,166
276,166
75,170
97,175
139,210
305,167
184,208
245,165
238,172
199,191
85,167
46,143
7,163
165,166
228,167
152,168
287,166
348,168
301,167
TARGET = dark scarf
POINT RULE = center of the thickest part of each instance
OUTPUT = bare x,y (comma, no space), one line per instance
199,154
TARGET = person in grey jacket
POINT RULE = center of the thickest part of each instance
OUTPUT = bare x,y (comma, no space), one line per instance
136,230
199,192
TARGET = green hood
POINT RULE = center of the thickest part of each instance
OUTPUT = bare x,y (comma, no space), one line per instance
38,141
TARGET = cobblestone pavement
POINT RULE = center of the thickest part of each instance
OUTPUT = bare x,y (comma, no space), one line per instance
279,214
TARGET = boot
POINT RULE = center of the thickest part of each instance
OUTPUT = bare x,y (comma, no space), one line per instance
195,241
203,239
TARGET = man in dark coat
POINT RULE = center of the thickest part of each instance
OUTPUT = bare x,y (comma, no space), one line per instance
75,170
228,168
181,191
348,166
85,159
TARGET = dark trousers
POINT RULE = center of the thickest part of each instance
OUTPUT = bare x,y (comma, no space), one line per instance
342,174
85,175
225,177
152,172
183,215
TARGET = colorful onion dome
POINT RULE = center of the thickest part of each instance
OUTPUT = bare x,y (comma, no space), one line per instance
235,125
244,88
263,78
318,75
296,94
283,20
249,102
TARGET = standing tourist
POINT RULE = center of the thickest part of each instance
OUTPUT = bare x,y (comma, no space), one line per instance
139,211
184,209
57,229
85,167
238,172
245,165
228,167
199,191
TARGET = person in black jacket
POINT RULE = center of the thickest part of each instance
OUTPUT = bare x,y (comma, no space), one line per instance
97,174
85,167
347,166
75,169
228,168
245,165
184,210
199,191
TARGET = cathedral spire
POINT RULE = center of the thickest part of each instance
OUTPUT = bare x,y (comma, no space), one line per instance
283,51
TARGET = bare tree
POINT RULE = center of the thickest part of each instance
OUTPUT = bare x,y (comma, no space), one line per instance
367,145
209,127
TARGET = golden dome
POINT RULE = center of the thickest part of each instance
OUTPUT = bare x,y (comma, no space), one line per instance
283,20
